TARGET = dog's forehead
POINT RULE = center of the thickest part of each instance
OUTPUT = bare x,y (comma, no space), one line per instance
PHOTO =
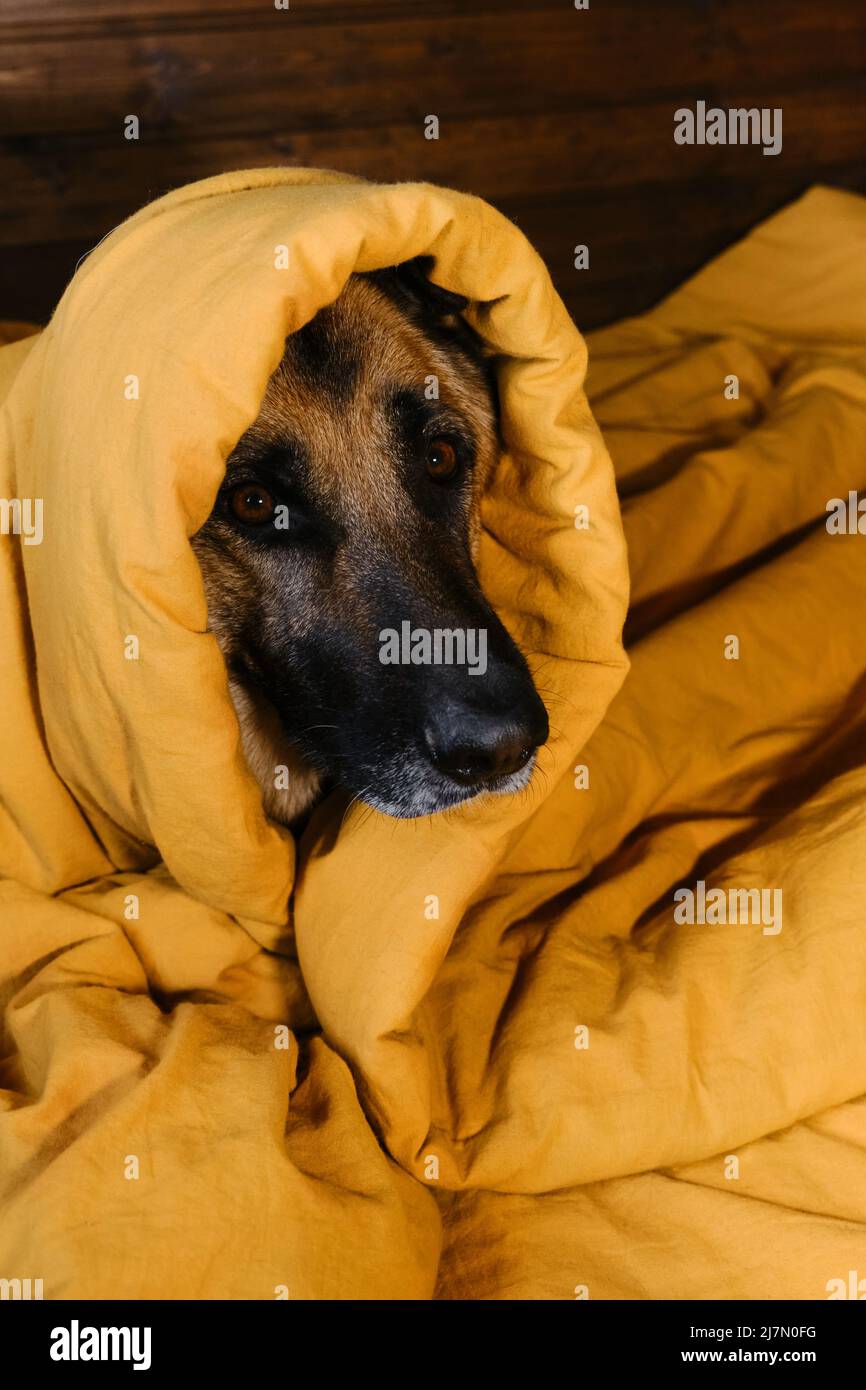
361,349
333,395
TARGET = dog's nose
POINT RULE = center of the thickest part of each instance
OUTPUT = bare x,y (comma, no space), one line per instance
473,745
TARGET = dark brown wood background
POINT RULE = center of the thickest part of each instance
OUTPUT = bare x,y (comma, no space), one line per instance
562,118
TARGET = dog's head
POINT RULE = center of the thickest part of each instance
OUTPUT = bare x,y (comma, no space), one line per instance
338,559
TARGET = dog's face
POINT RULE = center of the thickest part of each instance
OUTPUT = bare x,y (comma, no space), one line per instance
338,567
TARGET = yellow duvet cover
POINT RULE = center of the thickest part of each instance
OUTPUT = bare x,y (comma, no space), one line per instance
600,1040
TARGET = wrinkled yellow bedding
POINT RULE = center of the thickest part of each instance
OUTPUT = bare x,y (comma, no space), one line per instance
603,1039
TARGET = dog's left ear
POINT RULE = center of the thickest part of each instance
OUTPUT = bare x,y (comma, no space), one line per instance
413,278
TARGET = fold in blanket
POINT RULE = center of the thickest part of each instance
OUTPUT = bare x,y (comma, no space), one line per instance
569,1044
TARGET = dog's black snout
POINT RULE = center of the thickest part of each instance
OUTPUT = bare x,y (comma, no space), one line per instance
480,753
472,743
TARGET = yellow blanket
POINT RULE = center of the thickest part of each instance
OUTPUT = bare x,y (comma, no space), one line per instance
485,1055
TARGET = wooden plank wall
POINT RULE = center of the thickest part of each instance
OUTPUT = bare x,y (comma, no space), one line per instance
561,117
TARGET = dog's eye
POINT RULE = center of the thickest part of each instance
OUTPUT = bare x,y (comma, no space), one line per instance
252,504
441,460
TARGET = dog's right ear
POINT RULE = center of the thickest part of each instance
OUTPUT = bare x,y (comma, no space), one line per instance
410,284
414,277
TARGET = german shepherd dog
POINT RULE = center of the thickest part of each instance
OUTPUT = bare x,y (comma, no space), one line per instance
347,522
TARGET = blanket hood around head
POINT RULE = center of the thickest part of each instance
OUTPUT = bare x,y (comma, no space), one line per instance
134,852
